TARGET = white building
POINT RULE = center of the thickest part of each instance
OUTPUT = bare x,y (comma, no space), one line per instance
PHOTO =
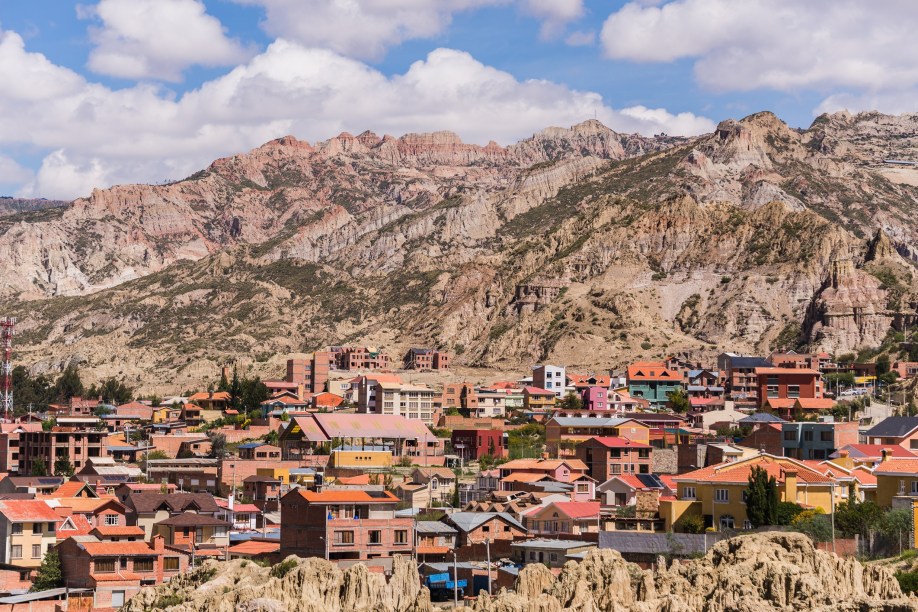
551,378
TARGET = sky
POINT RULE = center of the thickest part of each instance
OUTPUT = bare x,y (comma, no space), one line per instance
122,91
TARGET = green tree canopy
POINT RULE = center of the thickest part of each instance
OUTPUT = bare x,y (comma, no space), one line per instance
679,401
571,401
112,391
63,467
68,384
217,444
49,574
39,467
762,498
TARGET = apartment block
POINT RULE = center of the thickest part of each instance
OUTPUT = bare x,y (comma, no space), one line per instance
77,445
551,378
344,526
425,359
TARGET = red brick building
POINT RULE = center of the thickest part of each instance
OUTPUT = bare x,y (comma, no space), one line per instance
472,444
117,570
425,359
344,525
611,456
788,384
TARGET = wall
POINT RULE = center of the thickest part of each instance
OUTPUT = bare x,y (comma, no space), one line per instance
665,461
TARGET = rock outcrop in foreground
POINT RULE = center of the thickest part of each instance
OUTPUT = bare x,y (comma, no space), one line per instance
750,573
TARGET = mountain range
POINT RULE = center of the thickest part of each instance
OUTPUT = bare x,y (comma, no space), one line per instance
580,245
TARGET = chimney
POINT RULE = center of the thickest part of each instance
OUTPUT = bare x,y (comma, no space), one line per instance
158,544
790,486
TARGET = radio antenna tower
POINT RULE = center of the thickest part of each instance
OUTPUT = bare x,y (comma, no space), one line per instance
7,326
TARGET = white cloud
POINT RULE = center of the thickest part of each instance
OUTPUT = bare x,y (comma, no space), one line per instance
11,172
360,28
158,39
554,14
778,44
581,38
101,136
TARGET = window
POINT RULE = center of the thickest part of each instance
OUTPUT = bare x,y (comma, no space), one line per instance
51,527
104,565
37,527
171,564
117,599
721,496
553,556
374,537
808,436
401,536
123,563
36,551
219,531
17,528
793,391
773,391
747,524
790,434
532,555
915,487
143,565
111,519
688,493
617,468
745,495
726,522
826,436
486,528
199,535
343,538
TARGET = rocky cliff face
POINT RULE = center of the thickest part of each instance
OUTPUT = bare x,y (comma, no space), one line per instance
573,245
759,572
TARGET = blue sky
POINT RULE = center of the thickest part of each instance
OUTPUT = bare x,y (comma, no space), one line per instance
113,91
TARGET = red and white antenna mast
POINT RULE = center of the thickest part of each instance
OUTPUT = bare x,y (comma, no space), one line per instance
7,327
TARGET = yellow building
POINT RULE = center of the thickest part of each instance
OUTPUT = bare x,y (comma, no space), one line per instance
28,528
717,492
897,482
360,458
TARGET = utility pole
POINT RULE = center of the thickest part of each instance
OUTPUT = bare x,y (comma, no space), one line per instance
455,581
488,549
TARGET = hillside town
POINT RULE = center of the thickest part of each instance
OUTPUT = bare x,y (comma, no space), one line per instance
345,458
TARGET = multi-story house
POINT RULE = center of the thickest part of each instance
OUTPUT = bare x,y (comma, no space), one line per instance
519,472
145,509
536,399
116,571
434,538
781,387
480,527
595,398
563,518
653,381
441,482
359,358
344,525
28,528
70,439
897,482
606,457
905,369
898,430
740,379
810,361
264,491
717,493
472,444
202,534
580,382
312,373
461,396
817,440
551,378
9,444
564,433
383,395
495,404
425,359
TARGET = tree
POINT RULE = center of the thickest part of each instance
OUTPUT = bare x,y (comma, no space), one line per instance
679,401
223,385
572,401
49,574
813,523
762,498
486,462
63,467
693,523
217,444
112,391
252,393
271,437
882,364
787,512
455,499
235,389
68,384
857,518
39,467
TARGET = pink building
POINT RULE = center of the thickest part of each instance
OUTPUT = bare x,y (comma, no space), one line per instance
595,398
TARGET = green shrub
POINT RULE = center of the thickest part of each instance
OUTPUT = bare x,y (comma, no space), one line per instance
908,581
283,568
167,601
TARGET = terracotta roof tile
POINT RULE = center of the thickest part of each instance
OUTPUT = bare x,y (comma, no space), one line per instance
334,497
28,511
255,547
895,466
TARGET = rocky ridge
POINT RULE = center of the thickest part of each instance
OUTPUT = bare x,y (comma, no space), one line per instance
757,572
579,245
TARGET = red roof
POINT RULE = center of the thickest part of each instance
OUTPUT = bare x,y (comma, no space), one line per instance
652,370
112,549
255,547
537,391
739,471
575,510
336,497
329,400
360,479
875,451
617,442
119,530
897,466
28,511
